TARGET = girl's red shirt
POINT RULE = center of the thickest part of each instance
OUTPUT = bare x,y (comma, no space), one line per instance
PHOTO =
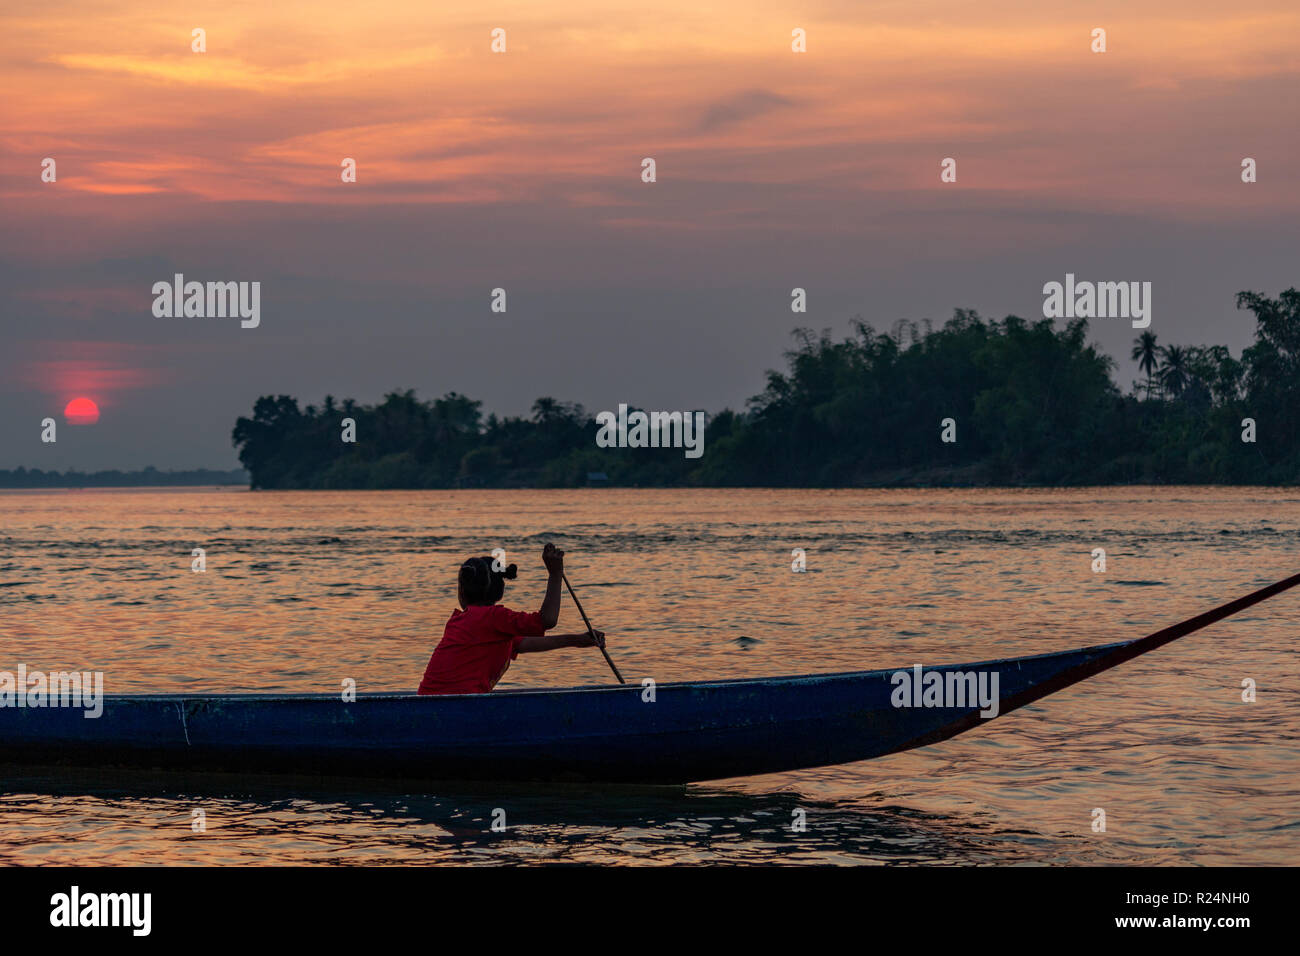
477,646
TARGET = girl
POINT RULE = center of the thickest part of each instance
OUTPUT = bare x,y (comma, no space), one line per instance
482,638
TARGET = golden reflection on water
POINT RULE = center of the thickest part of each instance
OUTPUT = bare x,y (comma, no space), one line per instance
304,590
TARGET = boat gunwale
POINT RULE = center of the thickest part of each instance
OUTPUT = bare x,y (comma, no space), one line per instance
265,697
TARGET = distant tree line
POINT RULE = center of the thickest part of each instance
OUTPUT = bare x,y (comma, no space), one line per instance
1032,404
147,477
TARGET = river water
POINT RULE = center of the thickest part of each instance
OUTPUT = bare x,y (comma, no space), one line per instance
306,589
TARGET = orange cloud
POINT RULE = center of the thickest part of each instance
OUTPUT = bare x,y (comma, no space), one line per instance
585,91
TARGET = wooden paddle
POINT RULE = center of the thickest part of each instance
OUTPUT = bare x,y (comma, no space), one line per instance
590,630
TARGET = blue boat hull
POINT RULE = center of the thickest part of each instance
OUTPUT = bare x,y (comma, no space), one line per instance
689,732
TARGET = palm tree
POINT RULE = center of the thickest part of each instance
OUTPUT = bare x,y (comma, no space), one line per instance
1174,372
545,409
1145,353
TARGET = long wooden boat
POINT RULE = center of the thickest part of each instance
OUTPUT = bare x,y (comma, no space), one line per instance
688,732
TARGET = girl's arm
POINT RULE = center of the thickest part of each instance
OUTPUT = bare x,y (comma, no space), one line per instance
553,558
553,642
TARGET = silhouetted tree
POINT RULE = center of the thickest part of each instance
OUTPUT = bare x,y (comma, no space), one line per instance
1033,403
1146,353
1173,369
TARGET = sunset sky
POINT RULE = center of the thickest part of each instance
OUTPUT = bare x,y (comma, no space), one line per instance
522,170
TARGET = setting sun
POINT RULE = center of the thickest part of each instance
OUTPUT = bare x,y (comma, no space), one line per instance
81,411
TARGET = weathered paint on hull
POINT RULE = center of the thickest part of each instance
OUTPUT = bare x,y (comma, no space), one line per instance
692,731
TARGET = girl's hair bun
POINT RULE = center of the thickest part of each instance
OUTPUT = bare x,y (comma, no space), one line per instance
481,582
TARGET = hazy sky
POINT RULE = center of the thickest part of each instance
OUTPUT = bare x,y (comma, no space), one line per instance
522,170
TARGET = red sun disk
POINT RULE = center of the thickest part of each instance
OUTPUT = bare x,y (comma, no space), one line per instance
81,411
